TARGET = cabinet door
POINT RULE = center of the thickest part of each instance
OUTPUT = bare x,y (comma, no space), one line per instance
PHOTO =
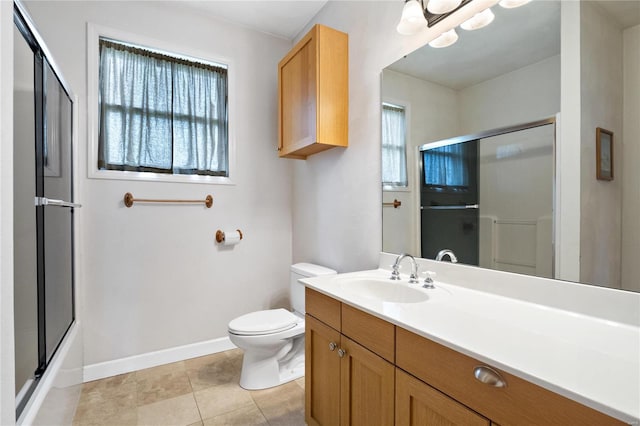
419,404
322,370
298,99
367,387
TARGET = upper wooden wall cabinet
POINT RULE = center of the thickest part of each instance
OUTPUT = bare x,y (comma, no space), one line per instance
313,84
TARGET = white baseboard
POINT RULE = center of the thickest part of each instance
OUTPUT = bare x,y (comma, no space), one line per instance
152,359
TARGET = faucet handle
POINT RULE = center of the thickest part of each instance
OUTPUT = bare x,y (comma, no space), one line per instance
429,280
395,273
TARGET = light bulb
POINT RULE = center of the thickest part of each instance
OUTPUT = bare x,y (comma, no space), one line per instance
412,19
445,39
510,4
438,7
479,20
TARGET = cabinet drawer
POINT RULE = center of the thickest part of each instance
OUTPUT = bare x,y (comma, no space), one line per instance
323,307
519,403
419,404
375,334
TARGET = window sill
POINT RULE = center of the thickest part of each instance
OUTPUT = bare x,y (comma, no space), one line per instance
158,177
390,188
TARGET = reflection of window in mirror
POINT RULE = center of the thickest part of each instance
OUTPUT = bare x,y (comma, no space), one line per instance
446,168
394,151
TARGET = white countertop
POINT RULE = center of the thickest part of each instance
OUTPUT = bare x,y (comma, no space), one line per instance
592,360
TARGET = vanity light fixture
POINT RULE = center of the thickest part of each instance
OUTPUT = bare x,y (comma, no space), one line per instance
479,20
445,39
413,19
415,16
510,4
438,7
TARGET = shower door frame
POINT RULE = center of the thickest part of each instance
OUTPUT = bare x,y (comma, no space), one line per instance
479,136
42,56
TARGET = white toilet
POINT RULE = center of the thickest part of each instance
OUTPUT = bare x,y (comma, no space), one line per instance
273,340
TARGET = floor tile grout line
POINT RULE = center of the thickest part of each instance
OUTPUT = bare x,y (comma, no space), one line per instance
264,416
193,392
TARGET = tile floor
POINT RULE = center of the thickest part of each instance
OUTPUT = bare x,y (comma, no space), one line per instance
200,391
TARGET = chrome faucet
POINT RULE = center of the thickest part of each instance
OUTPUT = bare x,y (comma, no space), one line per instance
395,274
446,252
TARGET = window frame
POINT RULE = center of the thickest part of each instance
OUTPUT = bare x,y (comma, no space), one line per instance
407,135
94,32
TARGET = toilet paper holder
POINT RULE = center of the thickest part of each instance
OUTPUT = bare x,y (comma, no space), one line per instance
220,237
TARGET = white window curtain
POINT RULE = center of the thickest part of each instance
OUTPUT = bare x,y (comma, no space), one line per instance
160,113
394,156
446,166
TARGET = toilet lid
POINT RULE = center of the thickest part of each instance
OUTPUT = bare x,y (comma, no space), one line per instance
263,322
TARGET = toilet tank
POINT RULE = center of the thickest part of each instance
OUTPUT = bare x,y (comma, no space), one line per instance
303,270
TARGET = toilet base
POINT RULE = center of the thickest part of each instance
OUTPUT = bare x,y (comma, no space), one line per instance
261,372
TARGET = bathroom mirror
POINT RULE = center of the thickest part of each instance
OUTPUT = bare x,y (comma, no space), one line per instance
508,75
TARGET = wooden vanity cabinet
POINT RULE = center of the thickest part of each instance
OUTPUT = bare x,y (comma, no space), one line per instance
346,383
313,101
362,370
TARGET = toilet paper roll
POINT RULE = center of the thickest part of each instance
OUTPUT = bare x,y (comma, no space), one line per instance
231,237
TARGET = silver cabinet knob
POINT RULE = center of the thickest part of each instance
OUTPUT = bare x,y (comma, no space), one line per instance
341,353
333,346
489,376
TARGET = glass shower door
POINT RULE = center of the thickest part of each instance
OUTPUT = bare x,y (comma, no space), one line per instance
25,242
449,201
455,229
57,212
43,211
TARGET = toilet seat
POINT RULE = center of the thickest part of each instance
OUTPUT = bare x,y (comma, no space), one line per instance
263,322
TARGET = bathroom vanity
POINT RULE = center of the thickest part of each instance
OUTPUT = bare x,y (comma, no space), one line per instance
385,352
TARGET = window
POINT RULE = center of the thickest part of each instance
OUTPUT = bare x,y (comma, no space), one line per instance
450,167
161,113
394,158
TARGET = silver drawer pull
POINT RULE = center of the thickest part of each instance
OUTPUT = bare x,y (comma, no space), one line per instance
489,376
341,353
332,346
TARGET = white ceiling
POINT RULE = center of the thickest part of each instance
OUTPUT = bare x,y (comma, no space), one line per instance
286,18
281,18
517,38
626,12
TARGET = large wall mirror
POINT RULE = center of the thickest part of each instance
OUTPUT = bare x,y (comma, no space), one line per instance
479,120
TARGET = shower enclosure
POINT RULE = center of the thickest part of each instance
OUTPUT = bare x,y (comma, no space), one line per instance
489,198
43,208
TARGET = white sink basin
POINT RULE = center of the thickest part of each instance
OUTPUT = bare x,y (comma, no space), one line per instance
383,290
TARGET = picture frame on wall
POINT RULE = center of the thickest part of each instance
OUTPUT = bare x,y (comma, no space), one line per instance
604,154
